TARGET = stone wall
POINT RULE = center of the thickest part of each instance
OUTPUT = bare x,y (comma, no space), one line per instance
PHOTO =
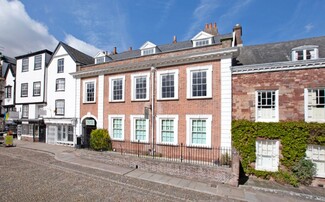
203,173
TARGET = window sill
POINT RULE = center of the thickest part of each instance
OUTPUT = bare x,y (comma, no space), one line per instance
140,142
167,99
199,146
118,140
199,98
89,102
144,100
116,101
167,144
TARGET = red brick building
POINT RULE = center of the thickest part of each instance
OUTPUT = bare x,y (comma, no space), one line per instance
281,82
185,86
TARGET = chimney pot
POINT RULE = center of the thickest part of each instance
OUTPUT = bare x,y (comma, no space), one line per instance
174,39
206,26
130,49
115,51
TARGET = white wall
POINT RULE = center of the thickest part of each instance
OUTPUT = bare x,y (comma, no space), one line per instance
69,94
30,77
10,82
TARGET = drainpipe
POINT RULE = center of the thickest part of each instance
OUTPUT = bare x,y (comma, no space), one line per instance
153,70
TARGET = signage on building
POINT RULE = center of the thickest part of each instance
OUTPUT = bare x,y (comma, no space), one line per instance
90,122
13,115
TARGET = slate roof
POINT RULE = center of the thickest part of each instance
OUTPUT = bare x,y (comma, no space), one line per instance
34,53
77,56
276,52
166,48
11,67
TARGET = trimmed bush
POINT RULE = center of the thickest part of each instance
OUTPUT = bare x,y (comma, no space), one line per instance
304,170
100,140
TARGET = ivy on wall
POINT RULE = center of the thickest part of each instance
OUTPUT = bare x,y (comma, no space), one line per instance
294,138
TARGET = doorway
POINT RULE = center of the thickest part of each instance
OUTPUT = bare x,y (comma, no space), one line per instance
88,125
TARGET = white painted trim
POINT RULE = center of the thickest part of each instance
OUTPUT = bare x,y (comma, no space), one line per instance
226,102
159,119
306,104
276,119
111,87
89,115
208,69
159,80
84,90
274,155
110,125
133,118
100,123
133,95
208,119
77,107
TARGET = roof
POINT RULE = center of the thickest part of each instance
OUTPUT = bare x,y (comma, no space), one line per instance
12,68
276,52
34,53
166,48
77,56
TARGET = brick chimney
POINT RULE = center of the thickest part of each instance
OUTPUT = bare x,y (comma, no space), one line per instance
114,51
211,29
174,39
238,31
130,48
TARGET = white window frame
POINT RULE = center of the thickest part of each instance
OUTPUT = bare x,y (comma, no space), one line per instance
62,109
111,88
133,86
110,125
316,154
25,111
159,120
24,92
262,154
308,106
189,119
313,53
85,90
37,91
202,42
160,74
58,84
133,119
38,62
189,72
60,67
276,116
25,65
148,51
8,91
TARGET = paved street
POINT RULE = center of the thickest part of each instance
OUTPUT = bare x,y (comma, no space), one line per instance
28,175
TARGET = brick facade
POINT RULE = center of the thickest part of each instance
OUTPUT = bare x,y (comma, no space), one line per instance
290,85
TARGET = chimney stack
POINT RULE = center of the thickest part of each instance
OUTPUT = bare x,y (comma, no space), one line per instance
211,29
238,31
174,39
130,49
115,51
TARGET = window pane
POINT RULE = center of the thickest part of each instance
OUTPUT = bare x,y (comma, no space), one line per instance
60,85
140,129
118,89
199,83
141,87
25,65
90,91
199,131
167,131
38,62
167,86
60,65
117,128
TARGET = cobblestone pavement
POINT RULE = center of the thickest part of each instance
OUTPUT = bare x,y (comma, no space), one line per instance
27,175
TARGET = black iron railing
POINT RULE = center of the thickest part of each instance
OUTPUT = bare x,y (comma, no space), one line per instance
213,156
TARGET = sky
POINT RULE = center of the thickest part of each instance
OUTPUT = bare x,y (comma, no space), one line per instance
91,26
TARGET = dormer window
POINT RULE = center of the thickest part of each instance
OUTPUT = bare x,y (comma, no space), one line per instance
305,53
148,51
148,48
102,57
202,39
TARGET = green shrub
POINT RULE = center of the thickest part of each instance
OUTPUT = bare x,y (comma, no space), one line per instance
305,171
294,136
100,140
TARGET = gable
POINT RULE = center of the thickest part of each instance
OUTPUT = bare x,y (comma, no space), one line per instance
147,45
202,35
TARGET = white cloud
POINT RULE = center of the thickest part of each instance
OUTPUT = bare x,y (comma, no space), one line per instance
200,15
81,45
309,27
19,33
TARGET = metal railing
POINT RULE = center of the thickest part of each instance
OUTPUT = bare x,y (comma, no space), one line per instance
212,156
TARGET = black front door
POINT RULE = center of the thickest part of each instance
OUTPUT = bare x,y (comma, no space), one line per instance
42,129
89,125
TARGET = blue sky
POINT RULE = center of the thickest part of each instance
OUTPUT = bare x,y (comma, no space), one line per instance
90,26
